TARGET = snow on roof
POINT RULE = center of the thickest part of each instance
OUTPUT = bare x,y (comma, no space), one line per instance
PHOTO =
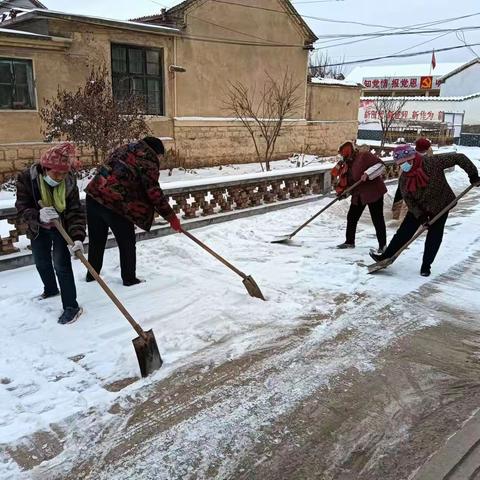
410,70
333,81
26,15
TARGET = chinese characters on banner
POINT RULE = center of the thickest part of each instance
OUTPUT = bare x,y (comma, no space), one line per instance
368,112
402,83
429,116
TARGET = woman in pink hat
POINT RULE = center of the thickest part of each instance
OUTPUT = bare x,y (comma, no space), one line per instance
51,183
426,192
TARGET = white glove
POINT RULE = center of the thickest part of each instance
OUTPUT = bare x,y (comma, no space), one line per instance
48,214
76,247
375,171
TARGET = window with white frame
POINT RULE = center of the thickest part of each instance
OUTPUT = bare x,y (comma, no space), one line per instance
139,70
17,91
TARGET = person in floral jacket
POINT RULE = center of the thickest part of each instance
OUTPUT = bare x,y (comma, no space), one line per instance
125,192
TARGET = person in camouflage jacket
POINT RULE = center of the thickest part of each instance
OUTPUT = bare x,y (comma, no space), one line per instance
51,183
123,193
426,192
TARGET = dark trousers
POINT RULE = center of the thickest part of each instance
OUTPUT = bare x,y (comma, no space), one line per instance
407,230
100,219
398,195
62,265
376,212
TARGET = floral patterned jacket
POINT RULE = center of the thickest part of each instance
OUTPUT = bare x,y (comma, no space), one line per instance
127,183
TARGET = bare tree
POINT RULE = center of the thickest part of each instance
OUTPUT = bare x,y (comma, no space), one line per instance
263,113
388,111
92,117
320,66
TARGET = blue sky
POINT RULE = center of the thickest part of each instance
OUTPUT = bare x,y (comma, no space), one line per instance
395,13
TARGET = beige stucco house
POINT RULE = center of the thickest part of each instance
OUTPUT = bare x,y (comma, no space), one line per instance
182,61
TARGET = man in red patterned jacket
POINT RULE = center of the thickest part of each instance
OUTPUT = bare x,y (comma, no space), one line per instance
125,192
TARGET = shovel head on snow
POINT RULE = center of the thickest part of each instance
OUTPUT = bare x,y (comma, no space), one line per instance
148,356
145,344
284,239
375,267
252,288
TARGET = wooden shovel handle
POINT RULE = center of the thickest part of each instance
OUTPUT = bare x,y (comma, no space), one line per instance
101,282
216,255
431,222
336,199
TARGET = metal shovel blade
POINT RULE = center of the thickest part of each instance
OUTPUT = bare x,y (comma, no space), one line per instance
375,267
252,288
148,356
282,239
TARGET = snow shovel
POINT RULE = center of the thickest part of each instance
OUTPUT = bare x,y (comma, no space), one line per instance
252,288
375,267
145,345
287,238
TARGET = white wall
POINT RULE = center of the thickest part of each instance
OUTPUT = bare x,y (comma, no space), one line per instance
463,83
418,109
472,110
422,109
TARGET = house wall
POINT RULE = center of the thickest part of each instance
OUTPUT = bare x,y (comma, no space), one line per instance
463,83
202,89
333,119
69,68
332,102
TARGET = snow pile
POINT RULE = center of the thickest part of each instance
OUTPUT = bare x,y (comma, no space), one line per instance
333,81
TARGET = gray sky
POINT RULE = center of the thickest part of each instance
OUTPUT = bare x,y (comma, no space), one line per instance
390,13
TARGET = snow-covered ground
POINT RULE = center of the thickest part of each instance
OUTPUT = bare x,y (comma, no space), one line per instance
49,373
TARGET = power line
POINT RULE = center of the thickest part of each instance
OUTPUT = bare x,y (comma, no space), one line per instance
234,31
403,55
256,7
408,32
328,44
461,36
423,43
413,46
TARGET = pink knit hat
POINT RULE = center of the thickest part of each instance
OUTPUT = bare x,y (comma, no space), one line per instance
61,158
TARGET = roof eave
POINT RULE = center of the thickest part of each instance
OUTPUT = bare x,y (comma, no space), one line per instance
460,69
46,14
311,37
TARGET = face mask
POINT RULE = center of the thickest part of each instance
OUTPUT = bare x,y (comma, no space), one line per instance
406,167
50,181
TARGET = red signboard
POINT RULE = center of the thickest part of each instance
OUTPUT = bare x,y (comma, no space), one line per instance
402,83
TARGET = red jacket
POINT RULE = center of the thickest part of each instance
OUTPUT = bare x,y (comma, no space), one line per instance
371,190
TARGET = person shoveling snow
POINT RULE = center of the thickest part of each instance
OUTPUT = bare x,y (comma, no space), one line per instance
426,193
51,183
355,166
